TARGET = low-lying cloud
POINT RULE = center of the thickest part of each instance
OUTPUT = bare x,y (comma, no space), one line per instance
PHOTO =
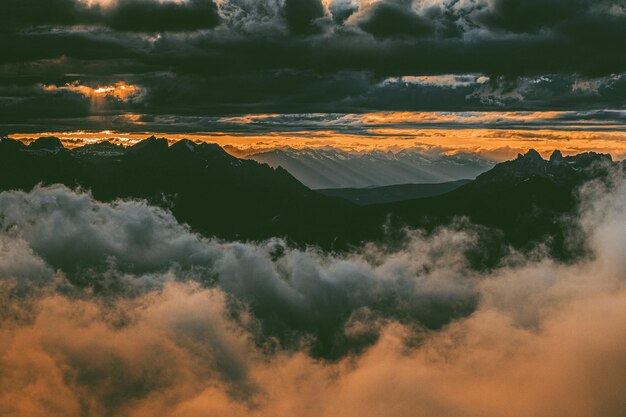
131,247
116,309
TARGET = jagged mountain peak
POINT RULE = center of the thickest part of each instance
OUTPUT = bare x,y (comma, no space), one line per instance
149,144
210,147
556,156
8,143
49,143
213,151
531,154
184,145
558,169
587,158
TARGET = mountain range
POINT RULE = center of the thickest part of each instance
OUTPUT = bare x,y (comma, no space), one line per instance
335,168
518,203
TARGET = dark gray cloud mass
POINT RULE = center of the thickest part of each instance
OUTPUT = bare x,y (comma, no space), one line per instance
159,321
199,57
137,247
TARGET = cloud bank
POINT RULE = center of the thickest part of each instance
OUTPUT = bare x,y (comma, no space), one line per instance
116,309
199,57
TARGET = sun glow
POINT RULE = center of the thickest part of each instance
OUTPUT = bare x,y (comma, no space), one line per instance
120,91
495,135
495,144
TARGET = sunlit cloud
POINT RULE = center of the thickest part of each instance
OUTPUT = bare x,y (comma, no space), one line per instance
119,91
544,339
442,81
98,3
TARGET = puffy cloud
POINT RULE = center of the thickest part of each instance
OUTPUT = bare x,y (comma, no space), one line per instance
393,18
178,355
302,14
543,339
18,262
529,16
128,246
342,9
253,16
99,360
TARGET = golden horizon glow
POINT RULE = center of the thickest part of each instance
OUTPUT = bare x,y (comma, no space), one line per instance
496,135
496,144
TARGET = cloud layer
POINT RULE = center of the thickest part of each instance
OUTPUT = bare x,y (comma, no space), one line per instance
115,309
198,57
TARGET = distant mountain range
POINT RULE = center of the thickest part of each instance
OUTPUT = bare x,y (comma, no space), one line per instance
334,168
520,202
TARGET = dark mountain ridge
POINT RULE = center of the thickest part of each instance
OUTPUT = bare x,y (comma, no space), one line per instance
214,192
528,199
392,193
520,202
561,170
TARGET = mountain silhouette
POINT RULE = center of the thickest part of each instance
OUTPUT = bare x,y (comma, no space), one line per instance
392,193
520,202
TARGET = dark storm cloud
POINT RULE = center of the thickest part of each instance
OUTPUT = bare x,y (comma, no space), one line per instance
592,18
145,15
531,15
238,56
301,15
33,104
124,15
358,91
18,14
394,18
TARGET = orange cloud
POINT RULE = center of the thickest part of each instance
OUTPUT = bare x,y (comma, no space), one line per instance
455,117
120,91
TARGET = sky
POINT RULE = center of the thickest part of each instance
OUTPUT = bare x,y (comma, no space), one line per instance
120,309
494,76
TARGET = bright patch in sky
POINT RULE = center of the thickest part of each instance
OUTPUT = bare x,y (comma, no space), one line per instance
119,91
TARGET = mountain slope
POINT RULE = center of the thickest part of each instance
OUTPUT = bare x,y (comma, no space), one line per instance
520,203
216,193
392,193
526,199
